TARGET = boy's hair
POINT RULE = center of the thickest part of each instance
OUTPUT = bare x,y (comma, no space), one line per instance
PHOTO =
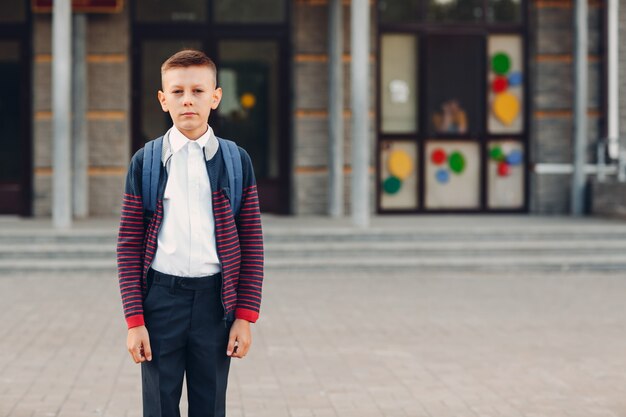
189,58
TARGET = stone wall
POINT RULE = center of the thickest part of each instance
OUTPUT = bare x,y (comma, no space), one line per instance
551,135
310,106
108,74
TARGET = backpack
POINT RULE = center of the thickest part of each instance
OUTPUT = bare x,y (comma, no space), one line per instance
152,170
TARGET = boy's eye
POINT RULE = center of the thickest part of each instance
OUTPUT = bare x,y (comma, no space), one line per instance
199,91
177,91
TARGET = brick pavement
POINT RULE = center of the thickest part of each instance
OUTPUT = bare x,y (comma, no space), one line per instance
350,345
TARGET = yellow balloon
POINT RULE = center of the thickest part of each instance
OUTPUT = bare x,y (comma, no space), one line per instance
506,108
400,164
248,100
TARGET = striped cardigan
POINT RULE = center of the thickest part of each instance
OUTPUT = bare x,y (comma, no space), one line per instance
239,240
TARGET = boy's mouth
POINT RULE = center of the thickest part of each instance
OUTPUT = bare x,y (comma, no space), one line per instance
189,114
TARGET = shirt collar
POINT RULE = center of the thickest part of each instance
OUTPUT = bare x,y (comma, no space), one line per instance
174,140
178,140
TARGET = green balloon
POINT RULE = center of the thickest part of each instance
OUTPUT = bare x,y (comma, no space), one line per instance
496,153
392,185
457,162
500,63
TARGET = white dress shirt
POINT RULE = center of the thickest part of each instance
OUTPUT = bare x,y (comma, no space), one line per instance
186,244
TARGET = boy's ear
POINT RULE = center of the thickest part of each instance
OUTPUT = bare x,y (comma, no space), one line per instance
217,97
161,97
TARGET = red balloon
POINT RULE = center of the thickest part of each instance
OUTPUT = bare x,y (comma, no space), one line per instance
438,156
500,84
503,169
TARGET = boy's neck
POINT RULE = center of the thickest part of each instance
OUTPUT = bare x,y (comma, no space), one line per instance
193,136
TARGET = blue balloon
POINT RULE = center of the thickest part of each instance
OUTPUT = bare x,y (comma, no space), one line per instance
515,79
443,176
514,157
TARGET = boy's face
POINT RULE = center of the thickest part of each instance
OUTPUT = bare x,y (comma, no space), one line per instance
188,95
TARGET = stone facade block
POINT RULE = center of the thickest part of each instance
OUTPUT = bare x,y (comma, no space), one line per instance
109,85
311,142
551,193
311,86
608,198
42,195
554,86
107,33
108,143
553,138
554,34
105,195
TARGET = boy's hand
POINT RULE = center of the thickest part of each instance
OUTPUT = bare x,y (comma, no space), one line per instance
138,344
240,339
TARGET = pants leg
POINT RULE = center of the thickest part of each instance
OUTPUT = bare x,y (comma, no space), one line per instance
207,363
166,313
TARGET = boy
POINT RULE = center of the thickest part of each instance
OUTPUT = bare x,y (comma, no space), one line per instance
190,273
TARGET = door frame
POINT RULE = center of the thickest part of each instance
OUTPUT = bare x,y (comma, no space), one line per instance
274,194
422,31
21,32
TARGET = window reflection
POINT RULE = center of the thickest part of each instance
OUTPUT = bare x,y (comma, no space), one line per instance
455,10
504,11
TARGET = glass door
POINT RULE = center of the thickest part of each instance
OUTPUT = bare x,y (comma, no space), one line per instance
249,113
15,163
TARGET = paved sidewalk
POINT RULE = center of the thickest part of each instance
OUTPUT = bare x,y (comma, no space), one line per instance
350,345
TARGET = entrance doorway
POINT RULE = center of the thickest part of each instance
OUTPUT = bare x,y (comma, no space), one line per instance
251,54
452,120
15,132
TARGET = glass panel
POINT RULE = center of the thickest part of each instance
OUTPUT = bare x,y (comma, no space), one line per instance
398,77
12,10
398,175
455,10
452,175
154,122
506,84
249,111
506,175
454,88
171,11
398,11
504,11
249,11
10,135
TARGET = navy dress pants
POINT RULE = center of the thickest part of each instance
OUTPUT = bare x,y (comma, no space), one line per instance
187,336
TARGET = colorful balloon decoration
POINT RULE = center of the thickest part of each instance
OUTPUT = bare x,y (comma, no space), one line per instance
400,167
506,106
456,164
505,162
515,79
442,175
504,169
501,63
392,185
500,84
438,156
400,164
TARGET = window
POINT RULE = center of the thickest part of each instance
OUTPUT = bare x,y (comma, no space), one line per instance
399,79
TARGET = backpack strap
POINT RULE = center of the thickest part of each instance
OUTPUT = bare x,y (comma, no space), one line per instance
232,159
151,172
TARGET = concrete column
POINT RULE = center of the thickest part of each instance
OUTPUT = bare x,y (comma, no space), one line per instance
80,155
580,107
61,113
613,76
335,109
359,69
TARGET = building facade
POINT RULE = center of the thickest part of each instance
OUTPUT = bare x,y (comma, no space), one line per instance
468,99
